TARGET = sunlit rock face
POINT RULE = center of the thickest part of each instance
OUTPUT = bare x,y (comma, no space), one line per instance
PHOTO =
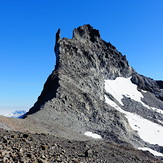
83,61
75,94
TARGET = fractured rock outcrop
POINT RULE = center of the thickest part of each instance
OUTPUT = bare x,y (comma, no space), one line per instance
73,95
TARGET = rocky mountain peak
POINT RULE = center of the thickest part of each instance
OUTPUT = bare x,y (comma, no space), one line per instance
86,45
86,32
92,93
75,93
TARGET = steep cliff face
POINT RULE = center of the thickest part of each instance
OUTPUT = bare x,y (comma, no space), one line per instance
75,93
83,62
148,84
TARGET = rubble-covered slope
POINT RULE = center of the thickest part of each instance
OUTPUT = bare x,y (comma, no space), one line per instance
40,148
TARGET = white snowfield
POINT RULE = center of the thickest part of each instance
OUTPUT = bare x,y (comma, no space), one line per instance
152,151
147,130
124,87
90,134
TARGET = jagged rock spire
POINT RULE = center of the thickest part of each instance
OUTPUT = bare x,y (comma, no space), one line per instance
86,32
58,35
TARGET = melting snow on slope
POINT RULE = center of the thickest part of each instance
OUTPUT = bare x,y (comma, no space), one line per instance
147,130
90,134
112,103
124,87
152,151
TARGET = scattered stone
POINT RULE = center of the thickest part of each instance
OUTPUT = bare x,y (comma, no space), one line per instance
88,153
19,151
25,135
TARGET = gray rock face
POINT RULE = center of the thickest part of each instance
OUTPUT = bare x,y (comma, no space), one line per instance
83,63
73,95
148,84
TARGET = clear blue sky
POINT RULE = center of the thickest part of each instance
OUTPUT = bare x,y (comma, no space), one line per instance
27,36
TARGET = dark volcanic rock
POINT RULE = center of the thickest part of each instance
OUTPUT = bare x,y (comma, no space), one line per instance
40,148
148,84
160,83
83,61
73,94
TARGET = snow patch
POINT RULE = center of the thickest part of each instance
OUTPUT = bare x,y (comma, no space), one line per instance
121,87
143,91
147,130
113,104
160,121
156,110
151,151
90,134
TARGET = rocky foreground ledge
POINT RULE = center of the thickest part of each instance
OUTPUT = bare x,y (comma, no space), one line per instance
17,147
